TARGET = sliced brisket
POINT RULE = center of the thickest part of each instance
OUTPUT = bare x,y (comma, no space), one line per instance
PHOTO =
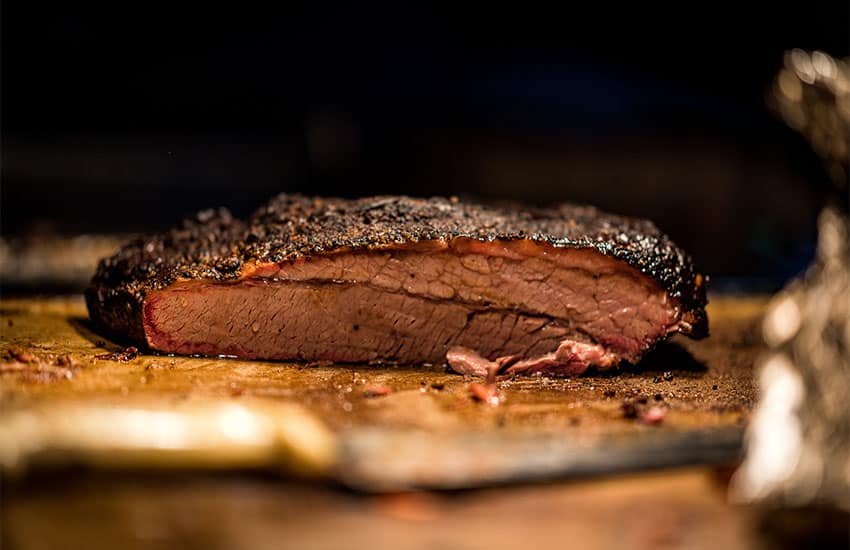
404,280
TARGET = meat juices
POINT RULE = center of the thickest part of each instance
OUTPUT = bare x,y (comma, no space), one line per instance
396,279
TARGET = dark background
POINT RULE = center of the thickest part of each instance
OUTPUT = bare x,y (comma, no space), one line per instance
126,118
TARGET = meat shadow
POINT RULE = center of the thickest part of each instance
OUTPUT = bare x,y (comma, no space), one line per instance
88,330
667,357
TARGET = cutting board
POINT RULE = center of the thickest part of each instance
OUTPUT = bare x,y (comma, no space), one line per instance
376,428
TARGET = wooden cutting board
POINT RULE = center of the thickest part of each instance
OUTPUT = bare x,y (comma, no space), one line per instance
372,427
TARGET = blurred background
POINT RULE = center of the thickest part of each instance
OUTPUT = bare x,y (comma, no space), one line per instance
118,120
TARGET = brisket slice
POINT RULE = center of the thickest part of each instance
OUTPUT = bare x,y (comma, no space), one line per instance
404,280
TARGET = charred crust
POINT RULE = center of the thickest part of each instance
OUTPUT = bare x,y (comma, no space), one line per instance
118,312
215,246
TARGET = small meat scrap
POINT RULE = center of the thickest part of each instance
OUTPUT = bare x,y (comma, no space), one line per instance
639,409
20,355
376,390
468,362
123,356
37,370
65,361
486,393
654,416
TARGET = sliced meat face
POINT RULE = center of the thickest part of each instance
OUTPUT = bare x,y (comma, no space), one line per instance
555,309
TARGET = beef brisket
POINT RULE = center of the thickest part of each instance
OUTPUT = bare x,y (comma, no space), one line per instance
404,280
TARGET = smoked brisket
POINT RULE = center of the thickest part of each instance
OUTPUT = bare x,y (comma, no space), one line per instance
398,279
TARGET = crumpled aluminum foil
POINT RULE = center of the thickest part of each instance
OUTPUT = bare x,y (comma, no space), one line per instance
798,443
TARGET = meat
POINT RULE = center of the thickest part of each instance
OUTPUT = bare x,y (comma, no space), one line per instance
397,279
